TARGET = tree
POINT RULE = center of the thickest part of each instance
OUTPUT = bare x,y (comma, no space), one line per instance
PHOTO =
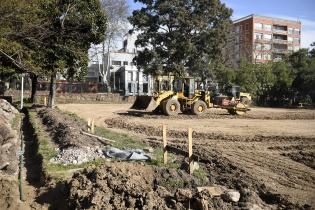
180,36
72,27
19,52
303,63
116,12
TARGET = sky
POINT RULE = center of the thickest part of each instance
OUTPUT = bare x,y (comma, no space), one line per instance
303,10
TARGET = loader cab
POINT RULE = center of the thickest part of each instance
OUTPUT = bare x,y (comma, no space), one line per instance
185,86
234,91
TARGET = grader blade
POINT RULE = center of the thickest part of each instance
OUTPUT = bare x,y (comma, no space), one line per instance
144,103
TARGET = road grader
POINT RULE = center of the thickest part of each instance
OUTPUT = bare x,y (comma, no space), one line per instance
186,99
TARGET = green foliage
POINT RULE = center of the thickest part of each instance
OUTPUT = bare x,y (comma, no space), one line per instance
275,83
180,36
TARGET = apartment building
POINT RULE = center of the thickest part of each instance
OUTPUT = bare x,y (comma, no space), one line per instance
262,39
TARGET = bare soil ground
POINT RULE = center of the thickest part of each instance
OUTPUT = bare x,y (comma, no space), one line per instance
269,151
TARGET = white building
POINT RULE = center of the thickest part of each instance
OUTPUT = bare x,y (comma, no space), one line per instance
124,75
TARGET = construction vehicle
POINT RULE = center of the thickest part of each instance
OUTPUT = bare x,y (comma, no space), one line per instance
185,98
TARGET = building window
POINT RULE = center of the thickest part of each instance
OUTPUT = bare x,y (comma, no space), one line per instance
290,30
237,29
258,46
267,36
257,56
290,39
145,88
267,56
246,27
296,31
258,26
130,87
129,76
116,63
267,47
296,40
267,27
258,35
125,63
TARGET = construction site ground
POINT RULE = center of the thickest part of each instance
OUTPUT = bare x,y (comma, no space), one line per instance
270,151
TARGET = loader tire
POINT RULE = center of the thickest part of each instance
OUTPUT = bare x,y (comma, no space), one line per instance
232,111
199,108
171,107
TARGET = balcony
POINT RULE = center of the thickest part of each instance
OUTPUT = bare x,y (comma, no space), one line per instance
280,41
277,31
280,51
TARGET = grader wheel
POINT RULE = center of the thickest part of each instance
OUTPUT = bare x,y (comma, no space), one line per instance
171,107
199,108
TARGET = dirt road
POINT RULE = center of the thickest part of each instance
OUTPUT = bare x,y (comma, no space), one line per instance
271,151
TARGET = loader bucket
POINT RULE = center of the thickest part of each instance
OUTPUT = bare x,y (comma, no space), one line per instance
145,103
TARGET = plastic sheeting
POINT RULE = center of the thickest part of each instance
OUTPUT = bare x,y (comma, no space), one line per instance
132,154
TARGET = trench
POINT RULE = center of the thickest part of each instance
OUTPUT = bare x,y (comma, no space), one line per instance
39,190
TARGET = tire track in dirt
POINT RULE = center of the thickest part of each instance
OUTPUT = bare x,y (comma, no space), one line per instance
280,174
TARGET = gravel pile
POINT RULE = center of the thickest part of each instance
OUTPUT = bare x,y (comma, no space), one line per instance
75,155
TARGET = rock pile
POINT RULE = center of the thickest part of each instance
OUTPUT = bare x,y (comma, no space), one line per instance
76,155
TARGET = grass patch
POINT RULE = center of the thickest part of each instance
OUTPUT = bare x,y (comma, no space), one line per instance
46,150
174,183
202,176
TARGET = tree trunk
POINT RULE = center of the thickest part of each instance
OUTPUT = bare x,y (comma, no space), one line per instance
52,90
34,79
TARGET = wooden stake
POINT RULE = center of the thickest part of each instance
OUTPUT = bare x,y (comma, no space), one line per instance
45,101
92,126
191,163
89,125
164,145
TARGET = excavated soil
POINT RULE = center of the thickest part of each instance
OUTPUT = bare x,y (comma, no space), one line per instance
124,185
269,152
9,159
66,130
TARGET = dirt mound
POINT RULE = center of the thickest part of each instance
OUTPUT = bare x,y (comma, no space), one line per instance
9,147
65,130
7,111
135,186
8,139
122,123
305,157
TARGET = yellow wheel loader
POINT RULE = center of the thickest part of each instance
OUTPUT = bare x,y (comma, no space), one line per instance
185,98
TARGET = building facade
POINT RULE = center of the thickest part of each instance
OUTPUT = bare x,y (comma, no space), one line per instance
123,75
262,39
